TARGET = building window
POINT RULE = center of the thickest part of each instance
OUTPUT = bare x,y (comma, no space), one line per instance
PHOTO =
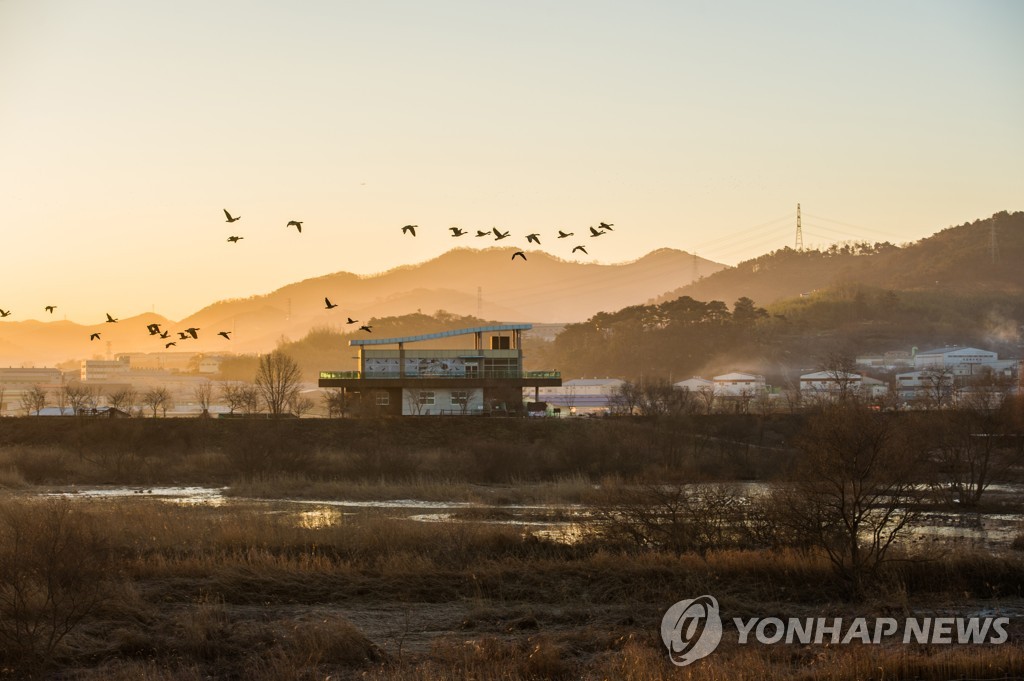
460,397
383,400
426,397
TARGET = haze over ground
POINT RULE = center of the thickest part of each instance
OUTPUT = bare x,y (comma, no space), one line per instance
126,128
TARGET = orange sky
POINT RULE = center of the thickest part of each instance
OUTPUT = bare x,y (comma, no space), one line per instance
126,128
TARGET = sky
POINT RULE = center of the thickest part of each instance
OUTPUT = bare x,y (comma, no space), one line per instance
127,127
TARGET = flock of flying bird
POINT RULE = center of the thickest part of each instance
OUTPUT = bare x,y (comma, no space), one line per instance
193,332
602,229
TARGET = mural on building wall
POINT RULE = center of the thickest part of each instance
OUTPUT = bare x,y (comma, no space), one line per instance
416,366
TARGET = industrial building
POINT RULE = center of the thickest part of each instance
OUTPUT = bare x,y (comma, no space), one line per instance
485,378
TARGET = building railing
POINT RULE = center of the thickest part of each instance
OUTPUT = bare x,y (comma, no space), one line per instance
499,373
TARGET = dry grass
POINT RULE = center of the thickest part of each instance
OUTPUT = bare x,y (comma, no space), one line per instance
253,591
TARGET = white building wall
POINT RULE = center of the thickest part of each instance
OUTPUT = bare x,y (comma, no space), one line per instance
437,401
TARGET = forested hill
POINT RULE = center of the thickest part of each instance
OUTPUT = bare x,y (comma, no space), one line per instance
956,259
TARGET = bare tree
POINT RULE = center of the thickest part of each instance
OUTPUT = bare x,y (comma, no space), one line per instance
34,400
414,398
250,397
232,395
203,394
625,398
970,452
277,380
841,369
123,399
299,404
78,396
854,490
336,402
157,399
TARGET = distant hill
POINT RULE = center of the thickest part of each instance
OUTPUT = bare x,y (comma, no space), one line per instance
543,289
956,259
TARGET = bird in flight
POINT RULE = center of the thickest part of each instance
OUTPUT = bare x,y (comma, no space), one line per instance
520,254
182,335
605,225
409,229
167,345
5,313
111,320
50,308
480,232
329,304
235,239
296,224
351,321
165,334
594,232
225,334
562,235
193,331
231,219
499,235
456,231
366,328
154,329
580,248
535,238
94,336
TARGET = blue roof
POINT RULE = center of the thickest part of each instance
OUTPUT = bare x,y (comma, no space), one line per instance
442,334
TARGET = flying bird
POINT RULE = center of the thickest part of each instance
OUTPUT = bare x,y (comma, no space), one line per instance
351,321
480,232
235,239
111,320
231,219
182,335
167,345
605,225
580,248
5,313
50,308
329,304
594,232
498,235
562,235
520,254
366,328
456,231
193,331
154,329
225,334
94,336
409,229
296,224
165,334
535,238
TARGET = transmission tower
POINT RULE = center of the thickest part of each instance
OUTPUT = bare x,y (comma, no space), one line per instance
799,230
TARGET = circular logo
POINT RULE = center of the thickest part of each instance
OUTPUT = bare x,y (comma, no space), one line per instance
691,629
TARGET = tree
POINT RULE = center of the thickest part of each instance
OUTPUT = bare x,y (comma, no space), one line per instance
203,394
277,381
336,401
625,398
34,400
78,396
250,397
55,571
854,490
970,453
157,399
299,404
123,399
